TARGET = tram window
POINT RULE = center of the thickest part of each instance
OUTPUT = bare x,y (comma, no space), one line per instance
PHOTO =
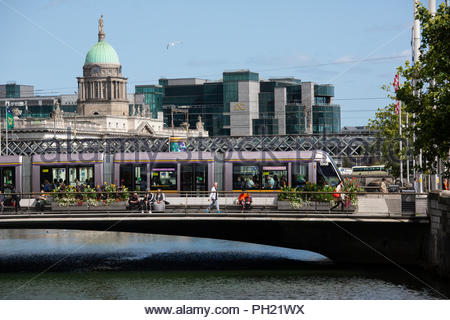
274,177
86,174
68,175
299,174
327,175
73,176
59,174
246,177
164,178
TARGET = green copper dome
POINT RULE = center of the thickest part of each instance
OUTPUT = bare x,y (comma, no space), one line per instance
102,52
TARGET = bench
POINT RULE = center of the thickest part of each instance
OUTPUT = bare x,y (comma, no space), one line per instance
30,205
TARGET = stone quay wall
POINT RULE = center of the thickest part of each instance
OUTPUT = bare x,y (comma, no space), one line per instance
439,241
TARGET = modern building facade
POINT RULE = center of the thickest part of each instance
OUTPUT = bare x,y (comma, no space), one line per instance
13,90
241,104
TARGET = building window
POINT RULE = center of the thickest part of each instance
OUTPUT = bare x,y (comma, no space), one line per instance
322,100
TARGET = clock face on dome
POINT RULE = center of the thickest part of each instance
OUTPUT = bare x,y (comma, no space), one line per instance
96,69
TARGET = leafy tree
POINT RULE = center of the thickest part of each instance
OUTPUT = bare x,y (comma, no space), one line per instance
385,127
431,106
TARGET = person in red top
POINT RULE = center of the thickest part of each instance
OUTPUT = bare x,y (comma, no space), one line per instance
245,200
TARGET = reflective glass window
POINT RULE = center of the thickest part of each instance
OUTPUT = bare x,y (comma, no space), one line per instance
274,177
299,174
246,177
164,178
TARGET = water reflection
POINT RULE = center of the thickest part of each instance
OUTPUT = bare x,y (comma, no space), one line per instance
115,265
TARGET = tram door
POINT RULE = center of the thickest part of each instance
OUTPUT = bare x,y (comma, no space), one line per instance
8,178
134,177
194,177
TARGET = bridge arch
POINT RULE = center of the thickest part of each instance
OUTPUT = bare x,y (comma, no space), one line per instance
343,240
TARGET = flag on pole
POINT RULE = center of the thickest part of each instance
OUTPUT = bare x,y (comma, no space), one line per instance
397,105
396,82
9,118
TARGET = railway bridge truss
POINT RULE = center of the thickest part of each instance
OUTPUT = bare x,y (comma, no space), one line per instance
357,148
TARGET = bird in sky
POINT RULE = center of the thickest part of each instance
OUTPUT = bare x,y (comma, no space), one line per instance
172,44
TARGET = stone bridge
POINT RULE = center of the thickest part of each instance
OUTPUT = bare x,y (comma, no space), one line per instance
344,239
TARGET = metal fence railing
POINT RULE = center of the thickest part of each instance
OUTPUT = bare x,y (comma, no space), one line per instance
406,202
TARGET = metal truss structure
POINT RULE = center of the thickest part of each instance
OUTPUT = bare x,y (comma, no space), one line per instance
338,145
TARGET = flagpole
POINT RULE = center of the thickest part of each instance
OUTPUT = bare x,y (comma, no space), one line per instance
401,142
408,180
6,127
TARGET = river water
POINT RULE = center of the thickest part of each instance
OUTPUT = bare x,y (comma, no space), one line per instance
68,264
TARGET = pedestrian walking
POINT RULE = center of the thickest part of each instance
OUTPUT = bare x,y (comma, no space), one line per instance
339,197
214,198
383,186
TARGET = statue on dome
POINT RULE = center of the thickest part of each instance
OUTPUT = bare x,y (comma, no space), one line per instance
101,33
100,24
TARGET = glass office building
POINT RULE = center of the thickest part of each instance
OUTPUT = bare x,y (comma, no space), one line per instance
153,97
281,108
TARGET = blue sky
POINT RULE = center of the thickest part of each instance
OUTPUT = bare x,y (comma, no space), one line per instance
44,43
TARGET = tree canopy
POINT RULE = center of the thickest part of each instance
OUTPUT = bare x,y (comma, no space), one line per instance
430,101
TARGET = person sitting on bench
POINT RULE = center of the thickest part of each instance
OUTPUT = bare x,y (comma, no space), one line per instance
134,202
13,199
245,201
147,202
159,202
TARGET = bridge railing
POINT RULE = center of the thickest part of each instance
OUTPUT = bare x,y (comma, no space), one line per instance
392,203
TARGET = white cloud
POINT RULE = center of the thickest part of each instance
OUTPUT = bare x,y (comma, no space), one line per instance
346,59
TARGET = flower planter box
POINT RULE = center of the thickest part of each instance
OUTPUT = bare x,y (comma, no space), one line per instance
312,206
115,206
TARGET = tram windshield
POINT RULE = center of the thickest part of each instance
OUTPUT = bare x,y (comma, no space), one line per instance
326,174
